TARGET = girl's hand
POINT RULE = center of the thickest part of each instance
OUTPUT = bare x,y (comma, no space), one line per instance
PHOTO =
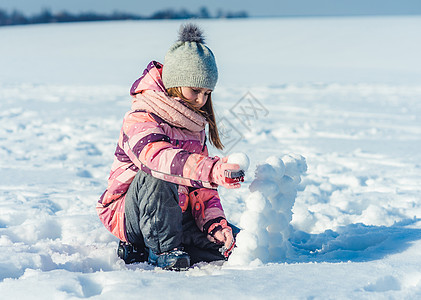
224,236
221,233
218,173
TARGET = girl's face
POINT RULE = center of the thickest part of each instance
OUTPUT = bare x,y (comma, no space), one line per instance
196,96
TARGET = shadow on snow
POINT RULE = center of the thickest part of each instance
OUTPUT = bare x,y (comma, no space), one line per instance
354,242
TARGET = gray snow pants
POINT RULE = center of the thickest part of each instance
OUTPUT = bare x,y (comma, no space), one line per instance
154,219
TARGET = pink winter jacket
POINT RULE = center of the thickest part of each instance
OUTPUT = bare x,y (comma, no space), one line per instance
148,143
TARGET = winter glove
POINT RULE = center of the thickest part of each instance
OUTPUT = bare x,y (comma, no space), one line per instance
218,174
220,232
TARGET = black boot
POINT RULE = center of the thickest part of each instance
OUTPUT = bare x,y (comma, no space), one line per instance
131,254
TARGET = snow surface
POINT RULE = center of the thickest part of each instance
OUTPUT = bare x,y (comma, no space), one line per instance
328,110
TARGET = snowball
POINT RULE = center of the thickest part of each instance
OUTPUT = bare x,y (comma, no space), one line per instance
256,263
265,172
263,238
276,239
246,240
241,159
238,258
277,164
266,187
250,220
295,165
256,202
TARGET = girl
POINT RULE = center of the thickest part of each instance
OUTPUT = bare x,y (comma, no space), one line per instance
161,200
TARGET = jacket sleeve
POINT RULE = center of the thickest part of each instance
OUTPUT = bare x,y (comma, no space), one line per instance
149,148
206,207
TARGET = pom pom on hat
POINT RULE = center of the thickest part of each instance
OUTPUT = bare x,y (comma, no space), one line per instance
189,62
191,33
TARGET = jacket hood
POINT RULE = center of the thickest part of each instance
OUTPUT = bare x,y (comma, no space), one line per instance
151,79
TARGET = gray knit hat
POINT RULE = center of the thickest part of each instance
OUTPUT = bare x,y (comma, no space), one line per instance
189,62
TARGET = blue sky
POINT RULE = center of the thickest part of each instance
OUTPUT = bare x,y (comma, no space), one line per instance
254,8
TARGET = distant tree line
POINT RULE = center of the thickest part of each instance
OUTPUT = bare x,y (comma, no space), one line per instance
46,16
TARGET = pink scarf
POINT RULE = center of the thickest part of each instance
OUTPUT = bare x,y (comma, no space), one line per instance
169,109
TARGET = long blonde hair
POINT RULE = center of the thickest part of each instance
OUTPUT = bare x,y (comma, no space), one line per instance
206,111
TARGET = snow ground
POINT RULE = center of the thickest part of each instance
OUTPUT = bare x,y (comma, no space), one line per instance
342,92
